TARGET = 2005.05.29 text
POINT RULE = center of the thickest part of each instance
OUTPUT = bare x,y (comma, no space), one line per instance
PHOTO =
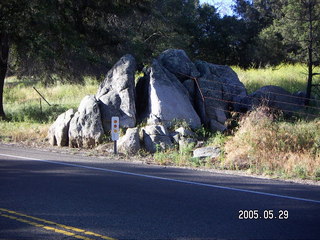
265,214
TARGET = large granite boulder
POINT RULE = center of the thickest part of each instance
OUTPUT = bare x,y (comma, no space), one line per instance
86,127
58,131
116,94
178,63
156,138
219,89
169,99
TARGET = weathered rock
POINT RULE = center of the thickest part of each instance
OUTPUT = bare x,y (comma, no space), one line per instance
168,99
277,98
220,86
184,132
183,137
212,152
130,142
58,132
175,137
86,127
178,63
156,137
116,94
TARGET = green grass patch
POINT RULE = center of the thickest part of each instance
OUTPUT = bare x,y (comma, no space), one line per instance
293,78
22,102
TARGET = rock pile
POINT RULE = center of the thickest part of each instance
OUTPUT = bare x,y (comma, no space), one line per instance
172,89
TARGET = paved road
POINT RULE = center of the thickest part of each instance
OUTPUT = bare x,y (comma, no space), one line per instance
47,195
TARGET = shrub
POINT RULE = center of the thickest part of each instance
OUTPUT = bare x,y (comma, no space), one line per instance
266,145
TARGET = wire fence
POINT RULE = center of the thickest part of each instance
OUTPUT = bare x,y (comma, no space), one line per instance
229,94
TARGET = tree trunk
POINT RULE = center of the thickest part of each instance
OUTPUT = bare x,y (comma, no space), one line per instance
310,53
4,53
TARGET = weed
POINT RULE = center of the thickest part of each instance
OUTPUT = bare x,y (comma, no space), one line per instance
203,133
317,174
177,123
300,171
218,139
161,157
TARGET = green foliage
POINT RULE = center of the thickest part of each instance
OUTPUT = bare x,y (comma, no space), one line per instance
317,174
298,24
300,172
182,157
177,123
218,139
203,133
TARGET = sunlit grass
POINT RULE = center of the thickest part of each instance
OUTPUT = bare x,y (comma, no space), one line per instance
265,145
293,78
22,103
22,131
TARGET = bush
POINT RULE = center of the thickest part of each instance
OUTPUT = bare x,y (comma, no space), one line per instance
265,145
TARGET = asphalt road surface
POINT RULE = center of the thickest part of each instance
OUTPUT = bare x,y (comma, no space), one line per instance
46,195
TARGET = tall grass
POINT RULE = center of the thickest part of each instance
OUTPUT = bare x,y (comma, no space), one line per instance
22,102
266,145
29,120
290,77
23,132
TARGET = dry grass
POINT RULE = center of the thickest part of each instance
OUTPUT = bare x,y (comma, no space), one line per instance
268,146
23,132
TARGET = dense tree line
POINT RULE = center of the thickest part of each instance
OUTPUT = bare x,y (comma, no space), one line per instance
66,39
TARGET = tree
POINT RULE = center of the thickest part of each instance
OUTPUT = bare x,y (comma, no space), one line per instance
298,22
63,38
258,47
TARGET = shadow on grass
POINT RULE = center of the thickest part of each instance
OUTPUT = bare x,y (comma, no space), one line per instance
36,114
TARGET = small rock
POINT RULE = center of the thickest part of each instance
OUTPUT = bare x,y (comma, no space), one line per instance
130,142
156,137
184,132
212,152
58,132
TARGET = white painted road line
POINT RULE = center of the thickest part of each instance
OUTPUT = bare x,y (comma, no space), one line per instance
166,179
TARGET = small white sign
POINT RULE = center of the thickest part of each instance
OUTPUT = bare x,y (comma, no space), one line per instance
115,128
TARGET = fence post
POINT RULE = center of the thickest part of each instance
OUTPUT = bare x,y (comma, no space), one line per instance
41,96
